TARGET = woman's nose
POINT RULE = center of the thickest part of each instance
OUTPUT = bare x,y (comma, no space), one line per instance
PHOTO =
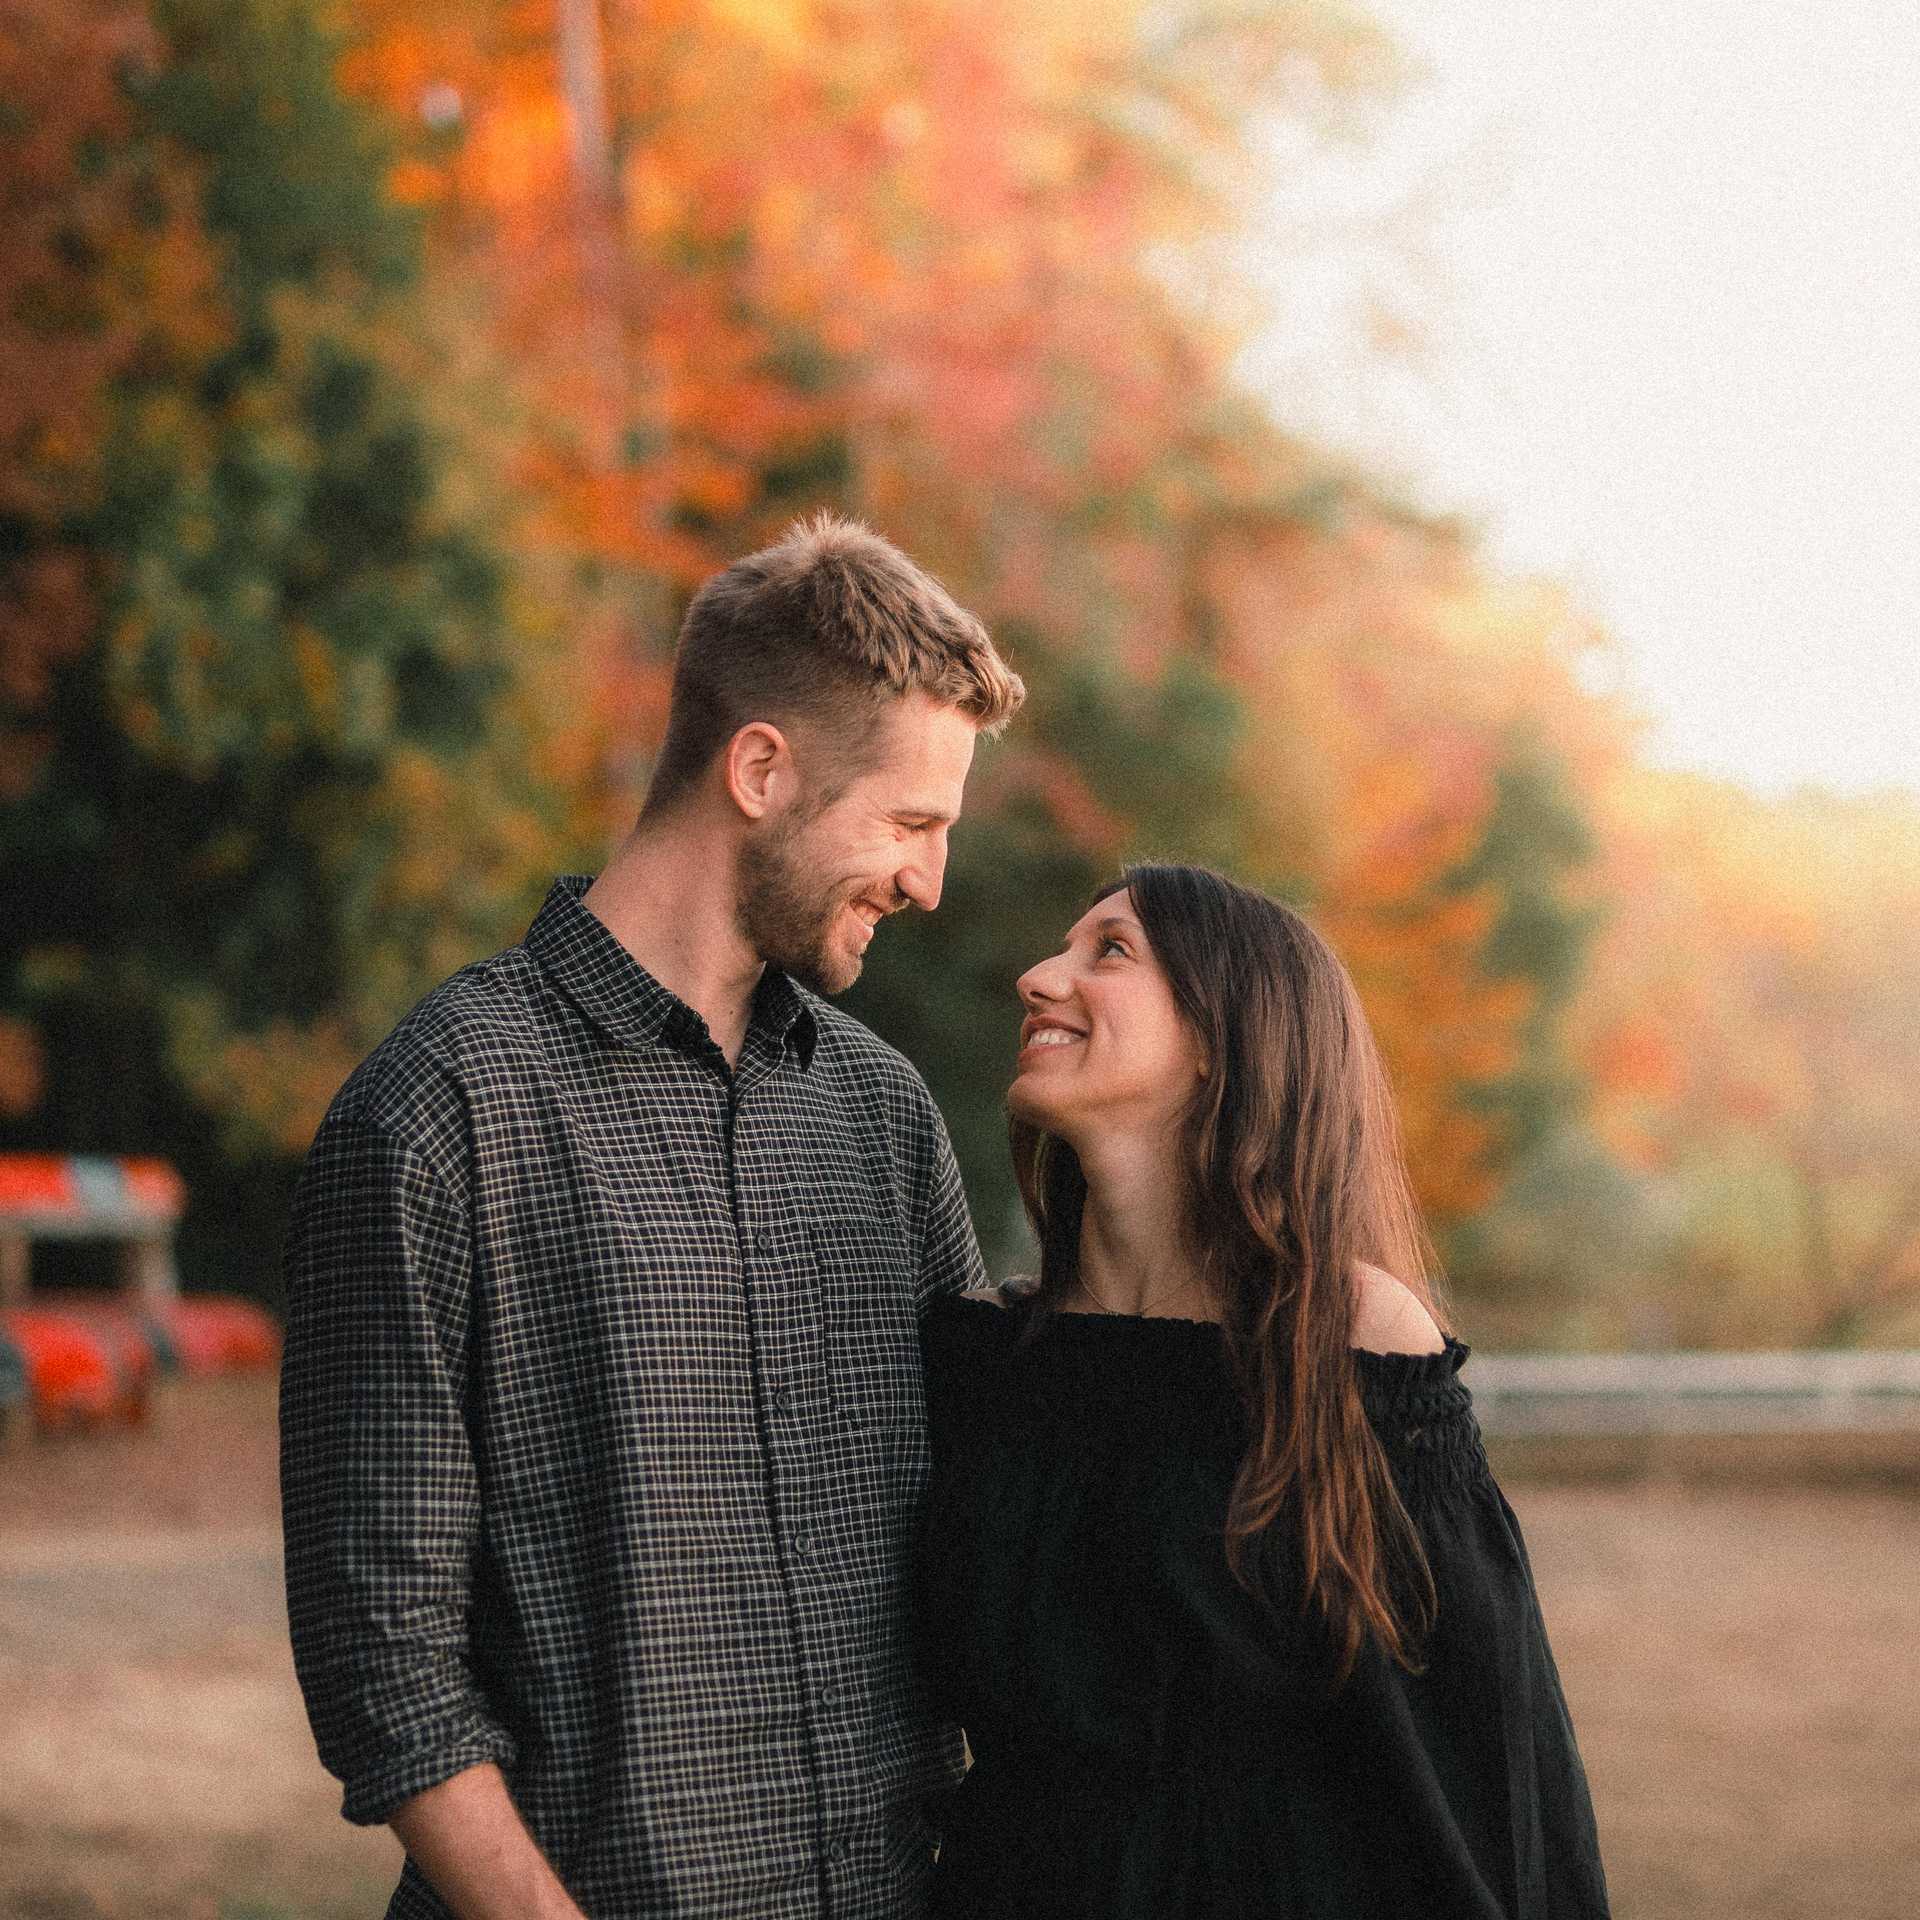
1040,983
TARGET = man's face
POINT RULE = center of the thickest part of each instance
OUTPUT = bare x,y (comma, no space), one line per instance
813,885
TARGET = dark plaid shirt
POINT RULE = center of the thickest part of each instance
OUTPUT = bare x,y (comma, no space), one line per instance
603,1432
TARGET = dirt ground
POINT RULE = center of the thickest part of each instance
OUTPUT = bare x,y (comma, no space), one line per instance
1743,1667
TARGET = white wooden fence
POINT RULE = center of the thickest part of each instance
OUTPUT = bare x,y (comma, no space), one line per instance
1696,1393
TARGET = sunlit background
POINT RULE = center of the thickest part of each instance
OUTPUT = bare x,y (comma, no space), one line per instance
1655,271
1447,463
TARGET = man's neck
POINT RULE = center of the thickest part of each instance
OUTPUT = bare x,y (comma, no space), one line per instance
667,896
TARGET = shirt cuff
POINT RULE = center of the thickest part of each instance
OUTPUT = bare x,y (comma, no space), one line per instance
374,1797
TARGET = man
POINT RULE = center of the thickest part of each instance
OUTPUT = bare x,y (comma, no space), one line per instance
601,1415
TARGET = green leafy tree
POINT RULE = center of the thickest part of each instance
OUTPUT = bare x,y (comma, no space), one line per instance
1567,1225
1535,846
307,761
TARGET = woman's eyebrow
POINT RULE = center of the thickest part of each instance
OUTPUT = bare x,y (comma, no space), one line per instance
1107,925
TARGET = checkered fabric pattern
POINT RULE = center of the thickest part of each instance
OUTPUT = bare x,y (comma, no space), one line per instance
603,1434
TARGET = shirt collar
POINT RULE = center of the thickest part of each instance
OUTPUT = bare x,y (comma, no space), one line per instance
626,1002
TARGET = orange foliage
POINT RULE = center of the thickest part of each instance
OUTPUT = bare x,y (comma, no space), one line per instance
912,251
1766,955
916,226
1383,670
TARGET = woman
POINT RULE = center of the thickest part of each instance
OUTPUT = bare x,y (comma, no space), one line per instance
1214,1573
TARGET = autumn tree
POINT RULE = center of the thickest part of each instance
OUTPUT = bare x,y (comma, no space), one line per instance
953,267
1752,1025
945,266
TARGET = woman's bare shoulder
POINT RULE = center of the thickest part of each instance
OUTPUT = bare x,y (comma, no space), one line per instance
1009,1293
1388,1316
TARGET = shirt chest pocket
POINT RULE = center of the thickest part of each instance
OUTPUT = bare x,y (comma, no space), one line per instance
869,1315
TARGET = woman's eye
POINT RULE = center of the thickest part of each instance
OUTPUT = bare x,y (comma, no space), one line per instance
1110,941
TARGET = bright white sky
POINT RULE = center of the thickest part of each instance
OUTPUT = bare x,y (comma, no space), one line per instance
1667,260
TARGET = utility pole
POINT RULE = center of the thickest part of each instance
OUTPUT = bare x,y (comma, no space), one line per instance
635,623
596,222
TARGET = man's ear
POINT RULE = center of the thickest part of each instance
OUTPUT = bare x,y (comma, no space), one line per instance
759,769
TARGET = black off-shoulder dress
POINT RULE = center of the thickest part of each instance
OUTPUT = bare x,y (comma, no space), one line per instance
1151,1744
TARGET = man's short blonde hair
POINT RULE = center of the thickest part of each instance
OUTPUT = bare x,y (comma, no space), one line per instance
822,629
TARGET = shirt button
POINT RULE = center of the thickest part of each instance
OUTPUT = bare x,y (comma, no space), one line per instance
835,1849
804,1545
782,1399
829,1695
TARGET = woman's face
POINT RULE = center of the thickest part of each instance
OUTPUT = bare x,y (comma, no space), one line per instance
1103,1048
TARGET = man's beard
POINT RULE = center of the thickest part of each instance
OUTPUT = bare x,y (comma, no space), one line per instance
787,913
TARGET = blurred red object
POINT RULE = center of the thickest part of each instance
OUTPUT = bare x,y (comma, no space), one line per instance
128,1346
71,1377
154,1186
217,1333
35,1183
119,1194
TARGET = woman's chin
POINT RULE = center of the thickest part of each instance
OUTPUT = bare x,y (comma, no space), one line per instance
1027,1100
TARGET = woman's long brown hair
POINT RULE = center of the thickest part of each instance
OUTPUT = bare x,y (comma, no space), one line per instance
1294,1175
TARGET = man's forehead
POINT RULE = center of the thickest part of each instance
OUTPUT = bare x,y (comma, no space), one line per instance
910,785
926,752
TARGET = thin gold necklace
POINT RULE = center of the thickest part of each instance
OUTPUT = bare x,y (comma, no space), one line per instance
1140,1312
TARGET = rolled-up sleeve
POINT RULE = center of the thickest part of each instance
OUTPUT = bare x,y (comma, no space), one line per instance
378,1486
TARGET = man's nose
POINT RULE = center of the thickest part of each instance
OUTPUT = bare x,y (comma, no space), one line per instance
920,879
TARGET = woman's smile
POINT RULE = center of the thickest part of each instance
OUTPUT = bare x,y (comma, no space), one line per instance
1047,1036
